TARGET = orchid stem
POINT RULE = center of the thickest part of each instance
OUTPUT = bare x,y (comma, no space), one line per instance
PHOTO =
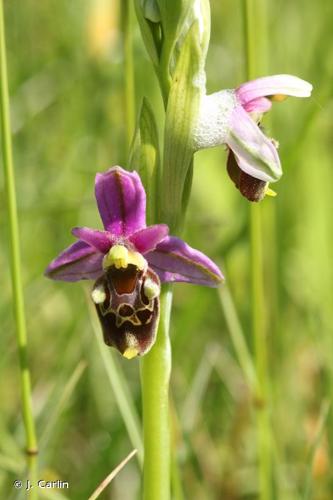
260,348
255,41
126,19
18,299
155,376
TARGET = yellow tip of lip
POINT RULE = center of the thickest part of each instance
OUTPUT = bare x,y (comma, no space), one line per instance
270,192
130,353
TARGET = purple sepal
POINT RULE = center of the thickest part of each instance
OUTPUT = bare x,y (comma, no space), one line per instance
121,201
146,239
100,240
80,261
174,260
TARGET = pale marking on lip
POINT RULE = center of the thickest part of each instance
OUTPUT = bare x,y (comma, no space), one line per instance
151,289
98,294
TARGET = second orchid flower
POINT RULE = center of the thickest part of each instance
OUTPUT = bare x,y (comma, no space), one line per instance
232,118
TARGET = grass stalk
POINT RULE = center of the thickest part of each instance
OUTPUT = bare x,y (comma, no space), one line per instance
155,376
255,52
15,260
260,348
105,483
126,20
238,338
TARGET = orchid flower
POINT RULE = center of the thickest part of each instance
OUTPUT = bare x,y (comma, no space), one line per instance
129,261
232,117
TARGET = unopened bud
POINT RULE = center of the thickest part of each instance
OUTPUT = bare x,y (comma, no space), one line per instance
151,10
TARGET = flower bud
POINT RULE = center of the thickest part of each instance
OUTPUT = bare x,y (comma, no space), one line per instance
151,10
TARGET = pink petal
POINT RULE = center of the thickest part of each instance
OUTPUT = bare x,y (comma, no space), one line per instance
80,261
259,105
254,152
273,85
174,260
100,240
146,239
121,201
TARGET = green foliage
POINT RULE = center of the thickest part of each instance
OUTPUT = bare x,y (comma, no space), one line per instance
181,115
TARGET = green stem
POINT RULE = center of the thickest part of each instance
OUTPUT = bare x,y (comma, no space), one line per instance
18,299
155,376
260,347
254,30
129,70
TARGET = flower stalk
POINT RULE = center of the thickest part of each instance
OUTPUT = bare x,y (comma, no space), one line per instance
155,377
254,27
18,298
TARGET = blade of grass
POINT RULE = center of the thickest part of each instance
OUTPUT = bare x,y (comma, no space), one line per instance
10,464
198,388
61,404
111,476
324,411
237,337
17,286
126,23
176,441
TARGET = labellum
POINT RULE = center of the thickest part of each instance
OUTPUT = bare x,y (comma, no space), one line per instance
251,188
126,297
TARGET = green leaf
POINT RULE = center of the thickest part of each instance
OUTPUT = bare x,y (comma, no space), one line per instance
150,32
173,20
145,156
176,22
181,115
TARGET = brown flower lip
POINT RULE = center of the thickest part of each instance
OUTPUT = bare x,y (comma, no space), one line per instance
251,188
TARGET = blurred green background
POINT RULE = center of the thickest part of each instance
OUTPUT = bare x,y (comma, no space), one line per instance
67,97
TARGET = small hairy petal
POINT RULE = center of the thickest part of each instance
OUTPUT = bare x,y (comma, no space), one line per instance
174,260
146,239
121,201
100,240
259,105
288,85
80,261
254,152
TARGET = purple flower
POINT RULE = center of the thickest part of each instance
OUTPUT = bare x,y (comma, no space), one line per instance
231,117
129,261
